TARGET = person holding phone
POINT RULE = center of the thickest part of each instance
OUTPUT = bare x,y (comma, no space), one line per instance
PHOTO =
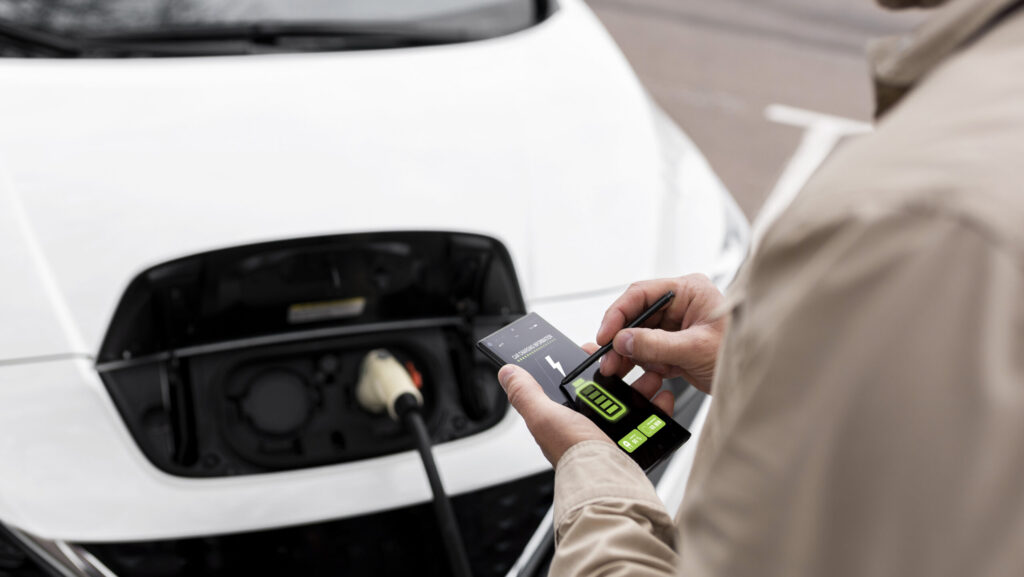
866,366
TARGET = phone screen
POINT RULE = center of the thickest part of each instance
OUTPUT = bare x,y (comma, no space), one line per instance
640,429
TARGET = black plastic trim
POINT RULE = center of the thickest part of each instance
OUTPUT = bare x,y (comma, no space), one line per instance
496,522
215,360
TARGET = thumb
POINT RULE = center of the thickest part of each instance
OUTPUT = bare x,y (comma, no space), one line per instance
658,346
525,394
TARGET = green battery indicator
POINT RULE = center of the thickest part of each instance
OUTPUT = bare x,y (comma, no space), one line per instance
599,399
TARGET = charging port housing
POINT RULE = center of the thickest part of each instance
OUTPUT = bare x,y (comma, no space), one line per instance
245,360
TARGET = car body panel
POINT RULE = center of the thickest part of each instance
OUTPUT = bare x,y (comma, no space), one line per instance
73,471
523,120
34,324
543,139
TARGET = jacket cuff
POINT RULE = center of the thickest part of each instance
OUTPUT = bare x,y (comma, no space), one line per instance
597,471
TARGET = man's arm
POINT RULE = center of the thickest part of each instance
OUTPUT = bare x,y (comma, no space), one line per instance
868,407
866,419
608,519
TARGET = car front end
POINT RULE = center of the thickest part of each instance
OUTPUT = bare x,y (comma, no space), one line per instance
175,229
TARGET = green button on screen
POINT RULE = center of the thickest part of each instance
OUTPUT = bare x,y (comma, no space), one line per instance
652,425
632,440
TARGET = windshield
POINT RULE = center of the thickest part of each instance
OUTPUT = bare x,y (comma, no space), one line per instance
39,22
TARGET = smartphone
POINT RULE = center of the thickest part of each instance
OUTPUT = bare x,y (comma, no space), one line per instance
641,430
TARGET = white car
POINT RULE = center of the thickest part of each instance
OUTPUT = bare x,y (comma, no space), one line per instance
211,210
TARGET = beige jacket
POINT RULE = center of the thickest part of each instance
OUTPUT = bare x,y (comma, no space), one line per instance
868,414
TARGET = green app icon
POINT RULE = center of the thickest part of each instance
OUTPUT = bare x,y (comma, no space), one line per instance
652,425
632,440
600,400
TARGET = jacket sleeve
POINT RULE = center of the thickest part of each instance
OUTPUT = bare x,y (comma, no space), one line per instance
866,420
608,519
868,407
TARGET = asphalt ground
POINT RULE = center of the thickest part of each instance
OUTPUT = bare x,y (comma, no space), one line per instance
716,66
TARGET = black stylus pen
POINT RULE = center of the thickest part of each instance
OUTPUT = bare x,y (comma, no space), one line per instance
657,306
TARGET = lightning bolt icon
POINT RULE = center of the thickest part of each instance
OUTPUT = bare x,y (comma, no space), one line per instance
554,365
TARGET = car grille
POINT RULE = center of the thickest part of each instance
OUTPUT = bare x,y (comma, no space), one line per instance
14,562
496,524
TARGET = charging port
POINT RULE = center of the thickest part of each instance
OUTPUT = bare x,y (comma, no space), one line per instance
246,360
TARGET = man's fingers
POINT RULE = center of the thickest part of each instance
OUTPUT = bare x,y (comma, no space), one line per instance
554,427
630,304
696,298
614,320
661,368
647,346
648,384
612,363
525,394
665,401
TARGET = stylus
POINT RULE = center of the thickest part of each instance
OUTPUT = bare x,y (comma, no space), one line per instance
601,351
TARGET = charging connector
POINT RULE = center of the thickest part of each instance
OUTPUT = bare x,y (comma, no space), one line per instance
384,384
382,380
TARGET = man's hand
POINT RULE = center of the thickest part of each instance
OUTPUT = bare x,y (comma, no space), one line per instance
680,340
554,426
684,343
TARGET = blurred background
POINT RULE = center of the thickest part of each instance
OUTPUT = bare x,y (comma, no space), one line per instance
715,67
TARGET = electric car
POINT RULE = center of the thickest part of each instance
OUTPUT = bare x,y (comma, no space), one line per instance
211,211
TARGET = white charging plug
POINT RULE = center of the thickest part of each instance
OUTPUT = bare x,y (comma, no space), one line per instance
382,380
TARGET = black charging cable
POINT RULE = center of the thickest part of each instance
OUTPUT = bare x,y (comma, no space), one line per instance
408,409
385,385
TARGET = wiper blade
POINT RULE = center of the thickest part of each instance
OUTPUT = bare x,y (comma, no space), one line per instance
224,39
39,40
66,46
272,32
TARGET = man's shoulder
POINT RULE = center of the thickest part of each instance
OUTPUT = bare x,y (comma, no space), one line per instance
954,148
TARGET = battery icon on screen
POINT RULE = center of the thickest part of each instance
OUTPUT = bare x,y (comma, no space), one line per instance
599,399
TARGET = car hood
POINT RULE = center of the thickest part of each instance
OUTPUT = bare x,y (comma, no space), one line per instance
108,167
543,139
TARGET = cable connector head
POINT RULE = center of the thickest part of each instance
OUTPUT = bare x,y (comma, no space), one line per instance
382,380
